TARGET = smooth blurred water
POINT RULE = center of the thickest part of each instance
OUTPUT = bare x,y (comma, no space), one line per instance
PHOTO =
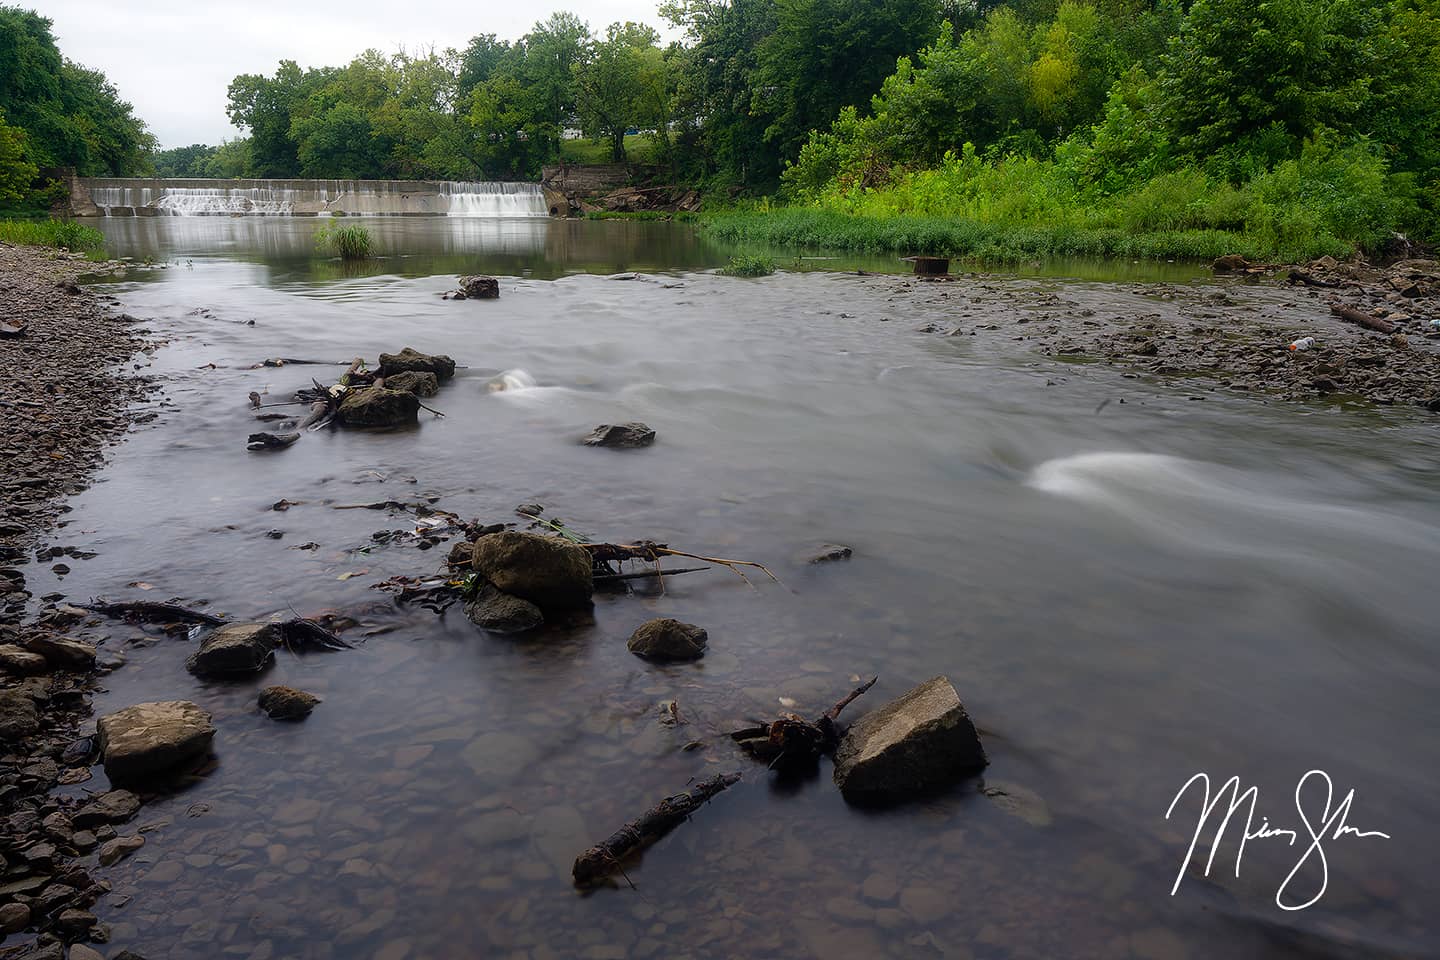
1124,594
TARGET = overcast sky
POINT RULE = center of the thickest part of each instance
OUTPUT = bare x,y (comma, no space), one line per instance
173,61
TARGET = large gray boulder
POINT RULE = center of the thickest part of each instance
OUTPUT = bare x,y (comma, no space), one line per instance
379,407
153,738
411,359
667,639
499,612
919,742
235,649
551,573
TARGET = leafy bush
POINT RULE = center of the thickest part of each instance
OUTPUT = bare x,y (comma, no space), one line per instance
748,266
352,243
63,234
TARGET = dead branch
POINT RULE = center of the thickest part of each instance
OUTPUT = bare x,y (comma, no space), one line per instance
647,551
646,574
606,857
301,632
146,611
795,741
1364,319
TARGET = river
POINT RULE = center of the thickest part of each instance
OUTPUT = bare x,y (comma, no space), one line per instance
1123,593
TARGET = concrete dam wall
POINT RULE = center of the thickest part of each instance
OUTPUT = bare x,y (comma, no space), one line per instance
127,197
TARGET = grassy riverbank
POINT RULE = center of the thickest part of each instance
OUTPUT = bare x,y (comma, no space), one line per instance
61,234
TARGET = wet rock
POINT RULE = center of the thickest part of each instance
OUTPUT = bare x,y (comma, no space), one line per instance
78,951
14,917
499,612
151,738
1019,801
113,851
19,661
1230,263
829,553
18,717
62,652
547,571
74,924
235,649
480,288
422,383
117,806
379,407
921,741
622,436
83,840
667,639
287,703
410,359
270,441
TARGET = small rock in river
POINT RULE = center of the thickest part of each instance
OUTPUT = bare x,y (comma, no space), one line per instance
547,571
287,703
14,917
410,359
920,741
379,407
480,288
667,639
422,383
116,806
62,652
234,649
18,660
499,612
624,436
829,553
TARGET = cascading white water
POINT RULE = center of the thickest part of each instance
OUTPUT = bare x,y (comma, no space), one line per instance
494,199
286,198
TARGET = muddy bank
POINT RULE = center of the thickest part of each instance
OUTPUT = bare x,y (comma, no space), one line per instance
1383,350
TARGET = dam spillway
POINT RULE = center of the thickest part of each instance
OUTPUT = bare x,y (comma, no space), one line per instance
131,197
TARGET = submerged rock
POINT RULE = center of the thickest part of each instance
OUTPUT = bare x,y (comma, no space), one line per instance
379,407
668,639
829,553
153,738
422,383
499,612
547,571
287,703
410,359
480,288
625,436
921,741
117,806
235,649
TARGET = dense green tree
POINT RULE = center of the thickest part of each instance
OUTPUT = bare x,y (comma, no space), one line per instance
17,173
183,162
479,60
622,84
72,116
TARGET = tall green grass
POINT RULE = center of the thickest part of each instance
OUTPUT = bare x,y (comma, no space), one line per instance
352,243
62,234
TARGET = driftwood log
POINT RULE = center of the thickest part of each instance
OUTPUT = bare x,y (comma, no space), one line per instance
1359,316
792,740
145,611
607,857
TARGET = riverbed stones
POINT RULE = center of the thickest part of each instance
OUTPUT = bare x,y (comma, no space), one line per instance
919,742
235,649
379,407
500,612
14,917
621,436
117,806
287,703
410,359
668,639
153,738
18,717
19,661
480,288
829,553
62,652
422,383
551,573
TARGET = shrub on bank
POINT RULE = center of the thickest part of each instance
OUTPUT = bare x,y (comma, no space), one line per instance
61,234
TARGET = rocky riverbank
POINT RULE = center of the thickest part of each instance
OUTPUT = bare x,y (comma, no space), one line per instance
65,394
1373,334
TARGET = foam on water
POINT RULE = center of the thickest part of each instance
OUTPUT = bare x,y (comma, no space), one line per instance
510,381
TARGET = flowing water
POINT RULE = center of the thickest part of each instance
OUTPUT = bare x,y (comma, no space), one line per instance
1124,594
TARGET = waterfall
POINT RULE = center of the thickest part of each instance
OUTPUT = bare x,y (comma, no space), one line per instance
314,198
494,199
